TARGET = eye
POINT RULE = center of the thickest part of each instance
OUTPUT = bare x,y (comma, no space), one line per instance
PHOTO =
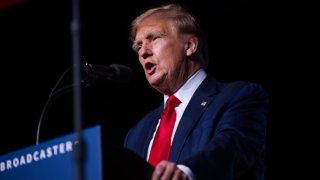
136,47
155,38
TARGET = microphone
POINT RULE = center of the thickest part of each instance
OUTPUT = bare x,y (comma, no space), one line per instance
113,72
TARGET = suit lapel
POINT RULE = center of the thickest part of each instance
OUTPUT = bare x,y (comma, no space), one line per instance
198,103
151,127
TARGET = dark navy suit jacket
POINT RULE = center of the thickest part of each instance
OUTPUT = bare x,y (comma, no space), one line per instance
221,135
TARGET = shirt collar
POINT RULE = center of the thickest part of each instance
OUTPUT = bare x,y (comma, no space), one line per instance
186,91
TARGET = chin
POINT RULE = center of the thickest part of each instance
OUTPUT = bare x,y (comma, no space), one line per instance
154,81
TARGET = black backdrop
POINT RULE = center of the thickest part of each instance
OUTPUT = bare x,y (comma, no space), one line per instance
246,42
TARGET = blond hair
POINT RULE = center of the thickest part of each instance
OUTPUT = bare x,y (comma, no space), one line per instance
183,21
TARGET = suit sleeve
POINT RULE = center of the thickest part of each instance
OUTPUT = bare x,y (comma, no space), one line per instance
238,143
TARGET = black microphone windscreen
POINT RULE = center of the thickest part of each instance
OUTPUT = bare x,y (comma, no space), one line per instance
122,73
114,72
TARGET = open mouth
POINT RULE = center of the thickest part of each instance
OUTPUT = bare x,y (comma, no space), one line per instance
150,68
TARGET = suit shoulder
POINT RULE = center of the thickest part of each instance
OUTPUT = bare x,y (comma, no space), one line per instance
243,88
241,84
148,118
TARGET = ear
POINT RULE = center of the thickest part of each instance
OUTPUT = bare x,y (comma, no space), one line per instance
191,45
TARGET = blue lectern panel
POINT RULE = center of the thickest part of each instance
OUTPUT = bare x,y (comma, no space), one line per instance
53,159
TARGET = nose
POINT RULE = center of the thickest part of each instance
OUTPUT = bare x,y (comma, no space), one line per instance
145,51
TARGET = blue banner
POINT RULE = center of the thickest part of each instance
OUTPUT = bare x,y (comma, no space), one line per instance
54,159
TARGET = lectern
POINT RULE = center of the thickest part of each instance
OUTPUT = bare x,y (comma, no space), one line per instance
54,159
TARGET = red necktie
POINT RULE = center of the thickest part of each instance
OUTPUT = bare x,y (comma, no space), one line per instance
162,140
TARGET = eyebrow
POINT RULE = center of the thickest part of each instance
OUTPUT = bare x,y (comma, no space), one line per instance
149,36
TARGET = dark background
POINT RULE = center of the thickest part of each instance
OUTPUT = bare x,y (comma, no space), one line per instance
248,40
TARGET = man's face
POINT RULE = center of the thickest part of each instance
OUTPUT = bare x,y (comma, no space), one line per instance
162,54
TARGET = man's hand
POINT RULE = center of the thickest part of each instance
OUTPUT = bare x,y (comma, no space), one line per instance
166,170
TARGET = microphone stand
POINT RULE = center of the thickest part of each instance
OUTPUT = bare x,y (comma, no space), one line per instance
77,100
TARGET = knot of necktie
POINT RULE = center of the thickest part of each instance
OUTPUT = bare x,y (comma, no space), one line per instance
173,101
171,104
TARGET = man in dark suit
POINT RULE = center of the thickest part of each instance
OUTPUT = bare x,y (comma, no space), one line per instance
220,128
